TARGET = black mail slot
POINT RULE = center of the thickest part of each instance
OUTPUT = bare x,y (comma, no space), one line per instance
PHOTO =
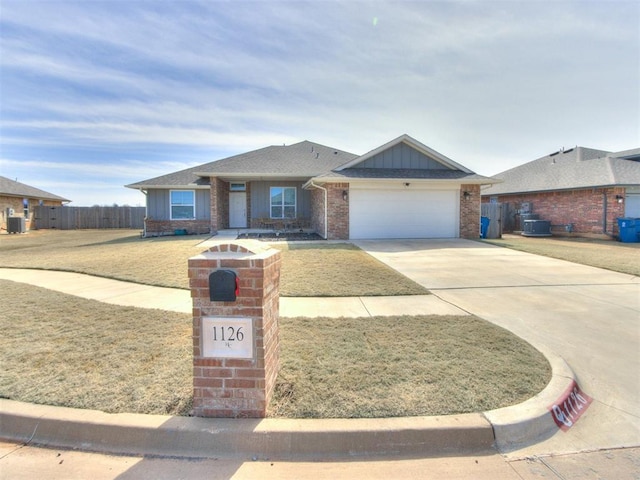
223,286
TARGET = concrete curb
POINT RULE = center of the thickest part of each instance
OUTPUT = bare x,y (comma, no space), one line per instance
280,439
530,421
507,429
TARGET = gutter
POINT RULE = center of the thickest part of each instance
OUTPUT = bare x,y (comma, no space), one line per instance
313,185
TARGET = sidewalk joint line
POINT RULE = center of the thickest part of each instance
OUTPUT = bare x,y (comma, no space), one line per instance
364,306
485,287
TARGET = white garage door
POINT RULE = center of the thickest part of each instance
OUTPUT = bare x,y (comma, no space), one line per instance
406,213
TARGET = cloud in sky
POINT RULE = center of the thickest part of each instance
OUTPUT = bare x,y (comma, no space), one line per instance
98,94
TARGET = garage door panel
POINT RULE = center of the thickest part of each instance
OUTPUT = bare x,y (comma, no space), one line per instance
388,213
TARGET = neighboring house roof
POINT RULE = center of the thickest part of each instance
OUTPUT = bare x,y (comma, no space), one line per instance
12,188
571,169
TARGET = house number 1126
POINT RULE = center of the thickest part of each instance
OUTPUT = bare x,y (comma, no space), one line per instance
227,337
227,334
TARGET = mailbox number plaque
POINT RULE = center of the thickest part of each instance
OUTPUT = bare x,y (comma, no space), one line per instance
227,337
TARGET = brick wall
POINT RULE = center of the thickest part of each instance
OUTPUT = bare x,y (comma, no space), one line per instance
219,198
16,203
338,211
236,388
470,211
168,227
584,209
317,211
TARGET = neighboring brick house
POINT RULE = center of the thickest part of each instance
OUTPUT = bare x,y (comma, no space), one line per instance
19,200
402,189
580,191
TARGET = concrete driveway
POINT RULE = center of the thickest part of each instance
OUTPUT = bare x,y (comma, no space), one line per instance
588,316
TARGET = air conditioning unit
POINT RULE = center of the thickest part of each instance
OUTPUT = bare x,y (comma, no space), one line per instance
537,228
16,225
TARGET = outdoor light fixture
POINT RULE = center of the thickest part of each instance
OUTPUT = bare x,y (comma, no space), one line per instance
345,195
467,195
619,198
407,184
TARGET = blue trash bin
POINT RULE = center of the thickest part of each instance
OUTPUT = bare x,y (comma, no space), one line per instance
628,228
484,226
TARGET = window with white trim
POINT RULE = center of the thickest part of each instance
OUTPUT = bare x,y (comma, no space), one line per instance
283,202
183,204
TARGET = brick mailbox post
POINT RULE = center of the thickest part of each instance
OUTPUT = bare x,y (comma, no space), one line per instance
235,292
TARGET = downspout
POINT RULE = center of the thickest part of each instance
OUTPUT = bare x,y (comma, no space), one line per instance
326,225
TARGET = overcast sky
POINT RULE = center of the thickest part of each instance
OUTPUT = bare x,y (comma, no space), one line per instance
98,94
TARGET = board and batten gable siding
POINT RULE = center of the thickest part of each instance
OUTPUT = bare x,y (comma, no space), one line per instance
402,156
159,204
261,204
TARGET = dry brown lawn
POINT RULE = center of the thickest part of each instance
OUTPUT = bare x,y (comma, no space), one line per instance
325,270
608,254
59,349
398,366
119,254
62,350
339,270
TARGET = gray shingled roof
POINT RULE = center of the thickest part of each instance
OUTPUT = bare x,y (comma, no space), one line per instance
13,188
300,160
576,168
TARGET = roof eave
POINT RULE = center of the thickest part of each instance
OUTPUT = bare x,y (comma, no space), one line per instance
31,195
565,189
457,181
242,176
152,186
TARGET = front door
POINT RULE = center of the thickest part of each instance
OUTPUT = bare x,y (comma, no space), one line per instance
238,210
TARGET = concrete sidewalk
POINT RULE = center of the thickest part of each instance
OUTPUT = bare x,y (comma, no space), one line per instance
129,294
19,462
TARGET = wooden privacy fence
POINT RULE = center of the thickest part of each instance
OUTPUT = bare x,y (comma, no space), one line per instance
494,212
72,218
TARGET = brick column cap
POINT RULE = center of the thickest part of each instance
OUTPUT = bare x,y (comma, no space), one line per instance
243,250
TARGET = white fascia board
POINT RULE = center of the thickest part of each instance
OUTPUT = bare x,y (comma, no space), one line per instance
462,181
241,177
400,185
169,187
412,142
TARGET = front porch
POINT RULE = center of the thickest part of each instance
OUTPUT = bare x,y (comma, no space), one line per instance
267,234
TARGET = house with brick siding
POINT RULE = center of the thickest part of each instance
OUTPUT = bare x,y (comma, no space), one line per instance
402,189
18,200
581,191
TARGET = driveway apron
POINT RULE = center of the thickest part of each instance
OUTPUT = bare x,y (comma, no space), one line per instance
588,316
